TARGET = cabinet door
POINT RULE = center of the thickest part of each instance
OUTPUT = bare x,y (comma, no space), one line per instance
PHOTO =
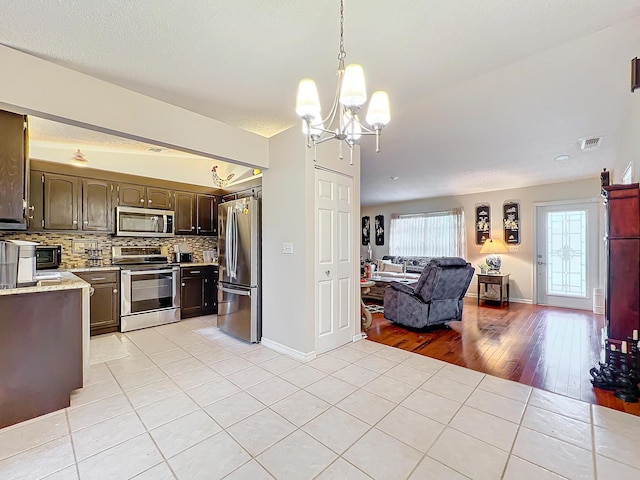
214,290
185,213
12,168
131,195
207,214
61,194
159,198
97,214
192,296
623,300
104,308
36,201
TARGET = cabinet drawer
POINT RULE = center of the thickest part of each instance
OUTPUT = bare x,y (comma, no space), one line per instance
98,277
195,271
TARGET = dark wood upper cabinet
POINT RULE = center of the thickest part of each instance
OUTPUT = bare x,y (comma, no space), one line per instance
97,200
131,195
185,220
207,215
61,193
35,219
13,171
159,198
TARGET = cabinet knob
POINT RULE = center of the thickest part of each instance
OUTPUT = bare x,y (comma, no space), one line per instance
86,222
30,217
199,227
192,228
115,290
182,284
32,208
150,202
142,200
75,222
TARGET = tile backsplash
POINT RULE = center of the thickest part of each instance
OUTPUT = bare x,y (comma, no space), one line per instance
106,241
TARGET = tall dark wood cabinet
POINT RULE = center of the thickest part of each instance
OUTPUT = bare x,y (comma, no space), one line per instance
13,171
207,214
623,276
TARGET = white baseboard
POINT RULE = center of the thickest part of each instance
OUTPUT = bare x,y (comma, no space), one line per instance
288,351
359,336
514,300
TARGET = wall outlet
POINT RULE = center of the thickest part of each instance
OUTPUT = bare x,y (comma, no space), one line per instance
287,248
81,246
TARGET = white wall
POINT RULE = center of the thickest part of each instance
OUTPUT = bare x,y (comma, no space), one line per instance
288,210
36,87
518,264
628,147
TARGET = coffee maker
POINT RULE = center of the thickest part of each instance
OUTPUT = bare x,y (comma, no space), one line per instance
26,262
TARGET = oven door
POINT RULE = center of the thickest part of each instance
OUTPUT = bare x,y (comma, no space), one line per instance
149,290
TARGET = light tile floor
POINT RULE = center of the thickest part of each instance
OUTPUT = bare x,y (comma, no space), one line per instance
188,402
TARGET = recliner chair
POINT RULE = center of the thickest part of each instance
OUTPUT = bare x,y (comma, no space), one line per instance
436,298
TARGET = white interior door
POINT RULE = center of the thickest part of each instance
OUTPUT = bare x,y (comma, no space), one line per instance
567,255
334,270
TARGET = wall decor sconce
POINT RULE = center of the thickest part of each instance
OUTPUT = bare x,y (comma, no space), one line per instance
635,74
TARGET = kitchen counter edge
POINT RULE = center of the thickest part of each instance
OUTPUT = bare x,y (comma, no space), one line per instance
68,281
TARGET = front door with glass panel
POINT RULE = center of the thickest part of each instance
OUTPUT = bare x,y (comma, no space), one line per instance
567,255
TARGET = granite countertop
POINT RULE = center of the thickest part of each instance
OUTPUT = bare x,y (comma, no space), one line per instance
67,281
92,269
198,264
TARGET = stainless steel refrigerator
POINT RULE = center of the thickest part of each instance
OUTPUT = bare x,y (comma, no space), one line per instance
239,284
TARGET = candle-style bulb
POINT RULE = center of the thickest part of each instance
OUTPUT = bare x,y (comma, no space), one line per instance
613,348
635,334
624,347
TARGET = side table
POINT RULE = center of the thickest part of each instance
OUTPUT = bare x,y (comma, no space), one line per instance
501,279
365,314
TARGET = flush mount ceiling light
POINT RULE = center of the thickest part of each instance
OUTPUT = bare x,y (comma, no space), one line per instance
561,158
79,159
342,122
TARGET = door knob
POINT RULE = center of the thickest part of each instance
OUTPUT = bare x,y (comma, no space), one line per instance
541,263
328,272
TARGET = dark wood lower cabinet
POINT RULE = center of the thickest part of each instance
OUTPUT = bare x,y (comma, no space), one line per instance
105,301
40,353
198,291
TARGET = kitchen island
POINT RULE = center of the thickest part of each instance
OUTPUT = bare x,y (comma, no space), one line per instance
44,346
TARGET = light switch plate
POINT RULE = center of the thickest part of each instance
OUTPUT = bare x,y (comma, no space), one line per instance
81,246
514,248
287,248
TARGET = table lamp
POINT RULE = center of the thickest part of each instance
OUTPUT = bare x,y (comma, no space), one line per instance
493,248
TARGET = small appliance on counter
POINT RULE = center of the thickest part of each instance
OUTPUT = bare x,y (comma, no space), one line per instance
26,262
48,256
8,265
183,253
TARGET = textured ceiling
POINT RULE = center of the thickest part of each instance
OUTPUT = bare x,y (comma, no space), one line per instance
483,94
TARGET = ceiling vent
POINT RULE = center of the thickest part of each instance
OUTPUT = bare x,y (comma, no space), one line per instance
590,143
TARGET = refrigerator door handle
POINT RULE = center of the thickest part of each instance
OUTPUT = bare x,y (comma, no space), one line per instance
246,293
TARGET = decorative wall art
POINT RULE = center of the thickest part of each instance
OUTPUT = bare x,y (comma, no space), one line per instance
483,223
511,222
379,228
366,230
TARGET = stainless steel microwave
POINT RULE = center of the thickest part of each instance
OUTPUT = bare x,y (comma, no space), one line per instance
144,222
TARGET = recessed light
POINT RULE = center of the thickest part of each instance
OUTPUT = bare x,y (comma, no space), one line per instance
395,178
561,158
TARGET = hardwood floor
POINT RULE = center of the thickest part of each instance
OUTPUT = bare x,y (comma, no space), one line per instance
545,347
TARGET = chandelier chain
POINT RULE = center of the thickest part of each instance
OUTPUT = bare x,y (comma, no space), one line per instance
341,53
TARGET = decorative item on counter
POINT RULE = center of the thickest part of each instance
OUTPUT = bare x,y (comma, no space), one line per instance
511,222
94,257
483,223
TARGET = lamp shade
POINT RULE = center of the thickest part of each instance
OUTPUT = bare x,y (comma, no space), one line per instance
493,246
378,114
308,102
354,91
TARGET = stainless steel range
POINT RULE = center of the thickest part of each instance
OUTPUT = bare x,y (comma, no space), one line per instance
149,285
